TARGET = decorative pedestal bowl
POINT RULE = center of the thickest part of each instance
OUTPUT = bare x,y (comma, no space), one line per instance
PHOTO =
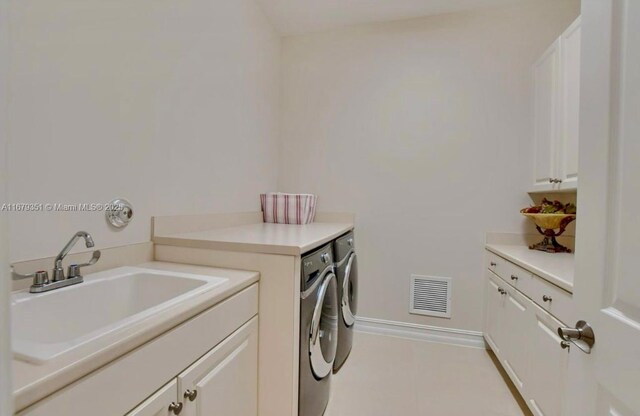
546,224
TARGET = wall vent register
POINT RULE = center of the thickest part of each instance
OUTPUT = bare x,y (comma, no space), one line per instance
431,296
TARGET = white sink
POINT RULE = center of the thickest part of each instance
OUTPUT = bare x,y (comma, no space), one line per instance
47,325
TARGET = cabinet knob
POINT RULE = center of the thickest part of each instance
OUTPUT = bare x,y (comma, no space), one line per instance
176,408
546,298
493,264
565,345
514,277
502,291
551,180
191,395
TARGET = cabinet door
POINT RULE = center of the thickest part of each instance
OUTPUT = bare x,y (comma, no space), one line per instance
570,111
546,74
494,332
517,325
158,404
225,380
547,367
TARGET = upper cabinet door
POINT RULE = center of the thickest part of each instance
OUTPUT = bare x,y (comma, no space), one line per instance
557,113
225,380
570,110
546,74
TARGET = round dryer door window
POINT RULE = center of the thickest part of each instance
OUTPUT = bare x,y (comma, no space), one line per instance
323,339
349,291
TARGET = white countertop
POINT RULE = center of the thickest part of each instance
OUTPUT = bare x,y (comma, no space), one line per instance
557,268
260,237
33,382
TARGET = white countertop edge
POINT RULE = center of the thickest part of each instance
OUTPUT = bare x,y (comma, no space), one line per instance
62,373
192,240
540,272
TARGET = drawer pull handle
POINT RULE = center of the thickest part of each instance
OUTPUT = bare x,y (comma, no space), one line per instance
514,277
502,291
565,345
176,408
191,395
546,298
493,264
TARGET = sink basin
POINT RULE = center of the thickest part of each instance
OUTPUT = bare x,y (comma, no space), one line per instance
47,325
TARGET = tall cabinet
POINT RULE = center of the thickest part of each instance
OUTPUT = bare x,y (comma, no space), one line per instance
556,78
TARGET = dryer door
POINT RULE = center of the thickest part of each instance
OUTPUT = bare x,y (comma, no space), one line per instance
350,290
323,337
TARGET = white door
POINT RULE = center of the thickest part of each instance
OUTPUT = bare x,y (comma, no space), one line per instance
225,380
570,111
546,93
607,286
161,403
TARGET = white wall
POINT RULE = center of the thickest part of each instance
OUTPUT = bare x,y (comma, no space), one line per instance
6,402
173,105
422,128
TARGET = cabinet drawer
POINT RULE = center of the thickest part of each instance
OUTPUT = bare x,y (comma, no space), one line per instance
495,263
517,277
552,299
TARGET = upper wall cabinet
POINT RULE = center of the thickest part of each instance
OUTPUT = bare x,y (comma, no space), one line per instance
556,114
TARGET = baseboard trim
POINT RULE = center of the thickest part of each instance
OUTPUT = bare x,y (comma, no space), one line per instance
429,333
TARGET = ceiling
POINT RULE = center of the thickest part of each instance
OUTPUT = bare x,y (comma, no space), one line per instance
302,16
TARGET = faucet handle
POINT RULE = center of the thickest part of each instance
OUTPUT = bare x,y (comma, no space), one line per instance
40,278
74,269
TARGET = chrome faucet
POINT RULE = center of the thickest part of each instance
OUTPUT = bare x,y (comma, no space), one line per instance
41,282
58,271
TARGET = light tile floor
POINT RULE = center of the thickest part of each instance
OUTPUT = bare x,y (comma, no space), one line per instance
388,376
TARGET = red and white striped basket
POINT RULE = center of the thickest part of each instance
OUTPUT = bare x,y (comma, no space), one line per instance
282,208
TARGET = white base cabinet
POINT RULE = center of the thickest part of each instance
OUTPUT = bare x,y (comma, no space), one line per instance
207,365
224,381
524,338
